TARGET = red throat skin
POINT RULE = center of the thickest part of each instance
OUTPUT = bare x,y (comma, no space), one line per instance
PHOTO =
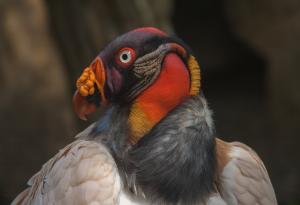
169,90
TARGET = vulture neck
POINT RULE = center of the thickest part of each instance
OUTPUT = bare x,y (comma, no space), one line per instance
168,91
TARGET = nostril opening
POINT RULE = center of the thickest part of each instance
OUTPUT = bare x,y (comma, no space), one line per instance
95,98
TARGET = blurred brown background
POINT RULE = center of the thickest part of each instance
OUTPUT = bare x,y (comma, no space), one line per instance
250,56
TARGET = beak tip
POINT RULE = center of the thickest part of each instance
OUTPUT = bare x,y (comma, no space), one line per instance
81,107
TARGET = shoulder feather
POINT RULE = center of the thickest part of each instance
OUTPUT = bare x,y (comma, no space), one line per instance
244,179
82,173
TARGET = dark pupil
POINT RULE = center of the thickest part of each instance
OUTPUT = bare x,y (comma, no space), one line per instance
124,56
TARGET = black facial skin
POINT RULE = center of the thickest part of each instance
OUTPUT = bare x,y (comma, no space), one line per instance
142,43
111,51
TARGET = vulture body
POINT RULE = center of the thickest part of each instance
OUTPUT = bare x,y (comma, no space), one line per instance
155,143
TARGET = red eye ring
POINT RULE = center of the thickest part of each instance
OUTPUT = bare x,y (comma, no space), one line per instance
125,57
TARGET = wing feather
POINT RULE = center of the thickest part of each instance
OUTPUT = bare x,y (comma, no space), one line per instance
244,179
82,173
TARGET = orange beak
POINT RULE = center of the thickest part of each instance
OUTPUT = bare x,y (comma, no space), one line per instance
91,80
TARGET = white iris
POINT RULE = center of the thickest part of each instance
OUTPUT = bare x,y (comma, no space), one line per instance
125,56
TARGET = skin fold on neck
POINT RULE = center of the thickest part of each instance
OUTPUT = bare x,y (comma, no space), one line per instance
168,91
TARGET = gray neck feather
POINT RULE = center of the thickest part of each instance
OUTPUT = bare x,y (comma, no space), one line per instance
175,157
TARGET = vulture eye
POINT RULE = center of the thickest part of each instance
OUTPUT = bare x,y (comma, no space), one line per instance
125,57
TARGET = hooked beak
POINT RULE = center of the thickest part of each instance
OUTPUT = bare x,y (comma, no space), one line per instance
90,89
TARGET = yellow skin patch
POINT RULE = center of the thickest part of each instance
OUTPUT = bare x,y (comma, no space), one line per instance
140,124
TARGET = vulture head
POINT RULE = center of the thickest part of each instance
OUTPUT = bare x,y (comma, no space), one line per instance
146,69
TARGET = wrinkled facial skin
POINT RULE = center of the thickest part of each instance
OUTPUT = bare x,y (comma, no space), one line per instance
122,79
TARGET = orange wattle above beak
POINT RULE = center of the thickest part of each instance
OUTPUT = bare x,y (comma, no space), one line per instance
92,80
